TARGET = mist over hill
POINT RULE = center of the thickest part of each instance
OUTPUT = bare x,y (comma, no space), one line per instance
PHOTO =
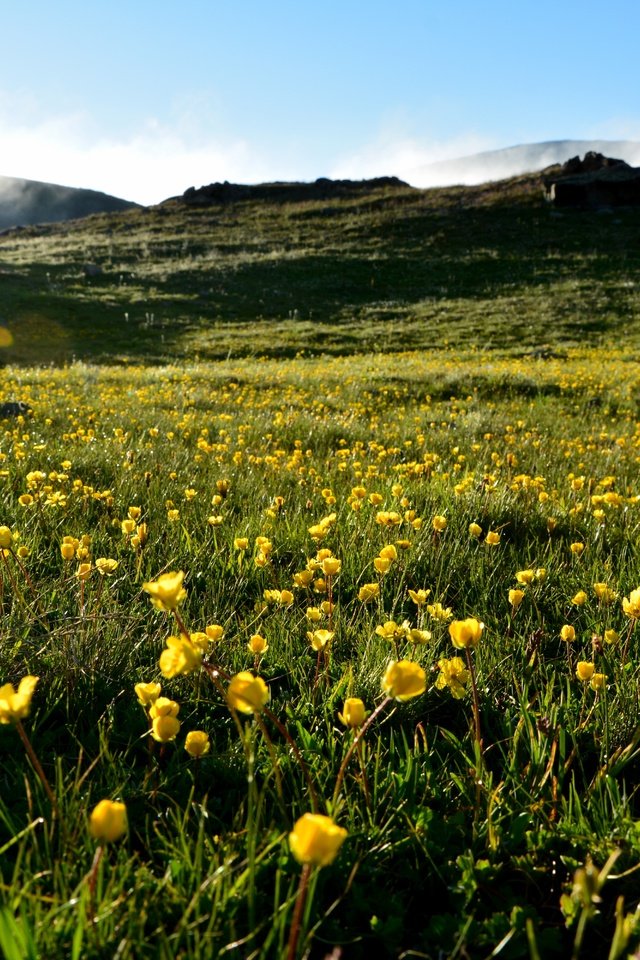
27,202
514,161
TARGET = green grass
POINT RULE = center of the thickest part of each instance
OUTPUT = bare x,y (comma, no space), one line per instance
494,267
451,851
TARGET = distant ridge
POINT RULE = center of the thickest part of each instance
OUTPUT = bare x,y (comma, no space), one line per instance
285,192
27,202
514,161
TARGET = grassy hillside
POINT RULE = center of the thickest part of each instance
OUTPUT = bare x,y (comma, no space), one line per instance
491,266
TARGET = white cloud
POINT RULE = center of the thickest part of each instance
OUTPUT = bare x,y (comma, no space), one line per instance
406,157
148,167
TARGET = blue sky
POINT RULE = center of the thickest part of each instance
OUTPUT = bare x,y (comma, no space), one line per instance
143,99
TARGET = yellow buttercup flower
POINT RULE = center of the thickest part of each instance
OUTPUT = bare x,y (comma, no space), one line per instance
419,597
585,671
465,633
353,713
525,576
319,638
108,821
454,675
579,599
331,566
368,591
631,604
167,591
106,566
246,693
15,704
197,743
604,593
568,633
492,538
404,679
475,530
516,597
6,537
598,681
439,523
257,644
240,543
180,657
165,725
147,693
316,839
438,612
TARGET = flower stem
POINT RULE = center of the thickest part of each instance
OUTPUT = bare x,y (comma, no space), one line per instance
37,767
354,745
294,932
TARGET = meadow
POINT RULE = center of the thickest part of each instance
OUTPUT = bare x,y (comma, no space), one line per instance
319,582
331,517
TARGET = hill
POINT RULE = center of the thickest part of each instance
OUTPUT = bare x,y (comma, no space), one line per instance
382,266
514,161
26,202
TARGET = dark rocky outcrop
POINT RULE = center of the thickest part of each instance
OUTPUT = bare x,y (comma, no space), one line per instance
593,183
320,189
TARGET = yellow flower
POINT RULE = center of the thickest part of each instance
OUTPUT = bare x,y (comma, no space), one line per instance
240,543
353,712
68,551
180,657
128,526
165,725
598,681
419,597
585,671
147,693
6,538
257,644
316,839
331,566
631,605
389,552
577,548
438,612
167,591
15,704
611,636
579,599
515,598
197,743
368,591
404,679
246,693
454,675
604,593
319,638
475,530
382,565
313,614
105,566
303,578
465,633
108,821
419,636
84,571
214,632
439,523
568,633
286,598
492,538
525,576
391,631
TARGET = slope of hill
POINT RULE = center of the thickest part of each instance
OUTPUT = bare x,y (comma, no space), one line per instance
514,161
384,267
26,202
